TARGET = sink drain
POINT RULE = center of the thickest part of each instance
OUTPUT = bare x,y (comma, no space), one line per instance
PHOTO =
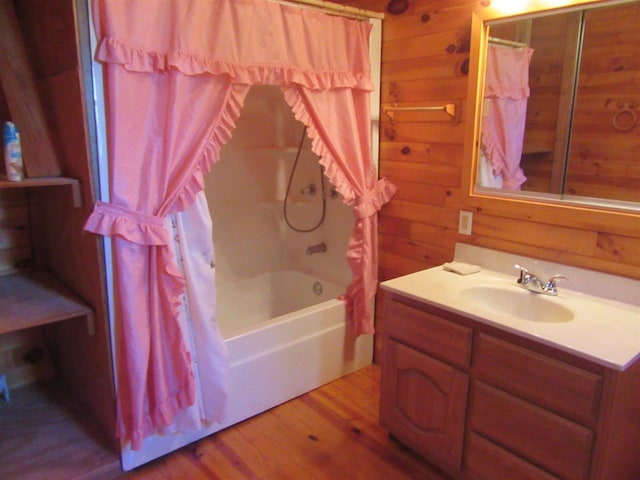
317,288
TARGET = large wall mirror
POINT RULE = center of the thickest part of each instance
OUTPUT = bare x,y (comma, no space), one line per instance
557,101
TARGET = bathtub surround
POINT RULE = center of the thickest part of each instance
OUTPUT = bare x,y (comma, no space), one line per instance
202,79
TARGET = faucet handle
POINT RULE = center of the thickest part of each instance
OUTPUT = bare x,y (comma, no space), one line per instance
550,287
523,273
553,280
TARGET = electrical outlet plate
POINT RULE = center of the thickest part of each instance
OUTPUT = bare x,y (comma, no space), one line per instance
465,222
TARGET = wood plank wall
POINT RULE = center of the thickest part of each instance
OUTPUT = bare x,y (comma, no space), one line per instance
15,230
424,58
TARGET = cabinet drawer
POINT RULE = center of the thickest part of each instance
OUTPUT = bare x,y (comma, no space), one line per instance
429,333
567,390
487,461
558,445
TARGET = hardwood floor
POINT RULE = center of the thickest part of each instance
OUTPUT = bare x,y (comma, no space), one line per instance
329,433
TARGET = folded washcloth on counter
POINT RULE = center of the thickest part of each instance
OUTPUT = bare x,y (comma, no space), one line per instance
461,268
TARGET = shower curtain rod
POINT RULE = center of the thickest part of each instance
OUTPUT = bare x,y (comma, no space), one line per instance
508,43
335,8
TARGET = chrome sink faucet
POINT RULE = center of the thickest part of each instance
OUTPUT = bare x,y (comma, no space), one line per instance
529,281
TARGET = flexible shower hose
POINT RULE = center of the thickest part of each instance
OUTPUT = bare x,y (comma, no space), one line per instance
286,197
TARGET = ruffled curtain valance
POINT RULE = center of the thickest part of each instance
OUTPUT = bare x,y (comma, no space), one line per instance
231,37
176,75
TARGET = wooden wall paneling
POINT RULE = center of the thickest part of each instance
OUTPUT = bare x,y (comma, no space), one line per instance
38,235
414,47
617,248
415,192
421,152
24,357
394,225
579,219
568,258
421,19
14,232
419,251
419,90
433,132
424,67
66,120
440,237
15,237
46,26
547,236
12,257
421,173
396,265
596,248
4,115
420,212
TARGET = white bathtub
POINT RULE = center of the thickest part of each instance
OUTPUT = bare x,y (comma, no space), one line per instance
260,301
285,338
274,359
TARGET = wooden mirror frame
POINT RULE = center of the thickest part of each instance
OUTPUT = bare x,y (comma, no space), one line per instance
553,211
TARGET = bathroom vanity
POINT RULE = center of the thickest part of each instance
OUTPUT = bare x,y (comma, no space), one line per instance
489,381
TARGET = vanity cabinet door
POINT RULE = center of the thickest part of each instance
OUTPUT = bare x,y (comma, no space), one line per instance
423,403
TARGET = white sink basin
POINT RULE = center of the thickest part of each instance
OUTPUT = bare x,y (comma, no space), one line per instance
595,315
517,303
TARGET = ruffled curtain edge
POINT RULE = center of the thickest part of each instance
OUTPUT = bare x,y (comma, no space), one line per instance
138,59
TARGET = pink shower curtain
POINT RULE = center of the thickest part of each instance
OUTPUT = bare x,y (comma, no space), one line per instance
505,111
177,73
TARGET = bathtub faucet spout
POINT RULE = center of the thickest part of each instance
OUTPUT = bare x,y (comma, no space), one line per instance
317,248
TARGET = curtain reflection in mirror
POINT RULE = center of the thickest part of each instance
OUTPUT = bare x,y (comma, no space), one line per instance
504,114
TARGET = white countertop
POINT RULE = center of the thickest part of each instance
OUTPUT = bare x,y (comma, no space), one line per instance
604,331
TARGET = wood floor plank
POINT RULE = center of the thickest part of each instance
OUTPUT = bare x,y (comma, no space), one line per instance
330,433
